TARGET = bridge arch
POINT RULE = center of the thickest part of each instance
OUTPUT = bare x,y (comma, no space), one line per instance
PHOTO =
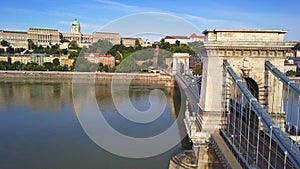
181,62
252,87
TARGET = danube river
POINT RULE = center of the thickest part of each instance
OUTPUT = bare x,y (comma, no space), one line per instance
39,127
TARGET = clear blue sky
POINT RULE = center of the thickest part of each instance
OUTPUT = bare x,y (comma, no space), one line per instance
94,14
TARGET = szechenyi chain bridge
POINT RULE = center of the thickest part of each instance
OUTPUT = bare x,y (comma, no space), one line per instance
240,105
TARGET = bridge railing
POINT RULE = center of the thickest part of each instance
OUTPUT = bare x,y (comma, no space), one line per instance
245,132
291,101
283,78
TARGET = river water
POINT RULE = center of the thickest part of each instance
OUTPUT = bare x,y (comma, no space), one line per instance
39,128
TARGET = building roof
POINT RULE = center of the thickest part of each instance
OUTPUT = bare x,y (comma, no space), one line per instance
108,56
245,30
177,37
75,23
106,33
97,55
197,36
13,31
130,38
43,29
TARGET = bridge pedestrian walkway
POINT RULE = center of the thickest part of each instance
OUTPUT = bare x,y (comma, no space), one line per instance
223,149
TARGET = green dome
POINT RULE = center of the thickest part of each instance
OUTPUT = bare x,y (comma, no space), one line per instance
75,23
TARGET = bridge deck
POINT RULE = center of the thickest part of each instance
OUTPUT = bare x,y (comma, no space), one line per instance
233,162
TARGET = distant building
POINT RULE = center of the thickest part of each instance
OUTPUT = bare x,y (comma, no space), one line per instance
114,38
21,58
108,60
76,35
131,41
289,65
290,53
4,58
181,39
184,39
196,38
37,58
47,37
44,36
17,39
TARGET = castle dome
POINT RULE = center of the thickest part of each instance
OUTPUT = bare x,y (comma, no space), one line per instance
75,23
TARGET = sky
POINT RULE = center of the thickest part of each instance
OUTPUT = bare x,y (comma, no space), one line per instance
161,17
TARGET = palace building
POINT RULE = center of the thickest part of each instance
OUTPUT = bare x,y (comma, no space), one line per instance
43,36
47,37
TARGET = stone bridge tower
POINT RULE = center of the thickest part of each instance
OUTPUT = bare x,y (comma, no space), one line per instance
181,62
246,51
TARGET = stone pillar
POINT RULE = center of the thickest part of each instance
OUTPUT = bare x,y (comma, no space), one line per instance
203,158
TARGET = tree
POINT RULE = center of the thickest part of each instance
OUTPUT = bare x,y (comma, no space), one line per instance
197,70
83,65
128,65
56,62
73,45
19,50
297,47
4,43
291,73
64,40
31,44
10,50
17,66
63,51
102,47
136,43
4,65
73,54
105,68
48,66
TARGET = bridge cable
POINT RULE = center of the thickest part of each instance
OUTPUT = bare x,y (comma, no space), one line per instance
281,139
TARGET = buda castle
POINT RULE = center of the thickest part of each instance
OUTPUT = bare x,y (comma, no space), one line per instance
47,37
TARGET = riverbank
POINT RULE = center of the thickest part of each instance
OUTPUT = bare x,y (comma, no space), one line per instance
147,78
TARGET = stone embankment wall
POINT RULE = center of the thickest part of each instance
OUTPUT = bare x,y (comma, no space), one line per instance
47,76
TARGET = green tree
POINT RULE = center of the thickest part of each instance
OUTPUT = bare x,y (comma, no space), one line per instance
10,50
73,45
56,62
83,65
31,44
128,65
4,43
105,68
16,66
102,47
297,47
291,73
73,54
19,50
197,70
48,66
64,40
4,65
136,43
63,51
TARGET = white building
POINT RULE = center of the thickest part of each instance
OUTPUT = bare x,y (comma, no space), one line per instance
184,39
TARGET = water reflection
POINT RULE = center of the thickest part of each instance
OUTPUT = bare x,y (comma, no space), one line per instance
39,129
37,96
